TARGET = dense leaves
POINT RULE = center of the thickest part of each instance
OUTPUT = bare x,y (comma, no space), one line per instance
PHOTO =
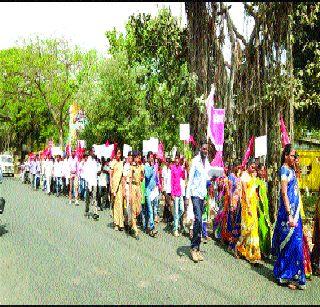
145,87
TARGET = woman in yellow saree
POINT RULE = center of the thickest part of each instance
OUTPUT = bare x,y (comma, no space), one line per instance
117,187
248,244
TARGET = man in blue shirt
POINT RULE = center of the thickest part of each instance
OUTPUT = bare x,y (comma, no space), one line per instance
197,190
151,192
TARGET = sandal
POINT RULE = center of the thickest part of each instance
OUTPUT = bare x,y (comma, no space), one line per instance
292,286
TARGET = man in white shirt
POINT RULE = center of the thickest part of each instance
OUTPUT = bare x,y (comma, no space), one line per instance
197,190
57,173
73,178
48,173
32,171
38,172
43,162
91,175
82,180
65,175
102,184
166,175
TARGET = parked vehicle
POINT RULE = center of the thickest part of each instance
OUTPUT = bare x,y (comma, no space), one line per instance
6,164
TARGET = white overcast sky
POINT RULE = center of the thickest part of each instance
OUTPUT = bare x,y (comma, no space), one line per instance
84,23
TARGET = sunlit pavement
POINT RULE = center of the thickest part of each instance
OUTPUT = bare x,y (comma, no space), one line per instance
51,254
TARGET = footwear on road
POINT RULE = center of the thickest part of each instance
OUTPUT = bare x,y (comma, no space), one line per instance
194,255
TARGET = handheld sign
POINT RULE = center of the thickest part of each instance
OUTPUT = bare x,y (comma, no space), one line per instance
260,146
184,132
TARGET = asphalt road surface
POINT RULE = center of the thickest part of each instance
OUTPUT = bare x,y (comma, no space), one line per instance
51,254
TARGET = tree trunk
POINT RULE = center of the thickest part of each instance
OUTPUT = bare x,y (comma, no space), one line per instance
61,137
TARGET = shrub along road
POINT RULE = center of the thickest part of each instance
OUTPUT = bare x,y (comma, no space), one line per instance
51,254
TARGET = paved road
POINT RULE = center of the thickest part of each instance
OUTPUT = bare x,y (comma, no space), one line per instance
51,254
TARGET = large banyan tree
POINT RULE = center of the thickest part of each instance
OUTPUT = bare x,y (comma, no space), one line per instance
256,86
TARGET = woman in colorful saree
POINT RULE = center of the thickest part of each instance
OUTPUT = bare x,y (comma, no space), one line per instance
287,242
315,255
306,249
234,214
117,188
248,244
263,210
221,201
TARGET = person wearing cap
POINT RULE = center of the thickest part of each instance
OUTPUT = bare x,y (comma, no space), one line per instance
197,190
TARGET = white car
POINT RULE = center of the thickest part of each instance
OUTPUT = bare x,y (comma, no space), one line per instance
6,164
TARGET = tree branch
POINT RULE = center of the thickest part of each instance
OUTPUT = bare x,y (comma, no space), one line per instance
232,26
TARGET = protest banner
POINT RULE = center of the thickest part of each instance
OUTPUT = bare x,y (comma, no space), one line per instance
260,146
184,132
126,149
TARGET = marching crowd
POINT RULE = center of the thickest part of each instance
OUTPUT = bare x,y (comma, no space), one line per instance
233,206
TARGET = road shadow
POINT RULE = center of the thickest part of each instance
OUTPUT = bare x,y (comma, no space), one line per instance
264,271
222,245
184,251
261,268
3,230
110,225
167,228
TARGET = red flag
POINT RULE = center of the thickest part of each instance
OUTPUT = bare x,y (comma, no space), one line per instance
284,134
249,152
160,154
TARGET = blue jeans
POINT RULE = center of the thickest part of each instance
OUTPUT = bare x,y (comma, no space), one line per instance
204,229
44,183
58,185
197,224
36,181
178,211
82,188
144,216
152,211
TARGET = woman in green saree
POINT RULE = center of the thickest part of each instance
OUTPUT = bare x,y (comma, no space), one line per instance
263,212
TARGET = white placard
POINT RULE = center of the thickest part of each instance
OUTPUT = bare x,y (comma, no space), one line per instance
145,144
82,143
260,146
153,145
126,149
106,151
215,171
184,132
97,150
174,151
56,151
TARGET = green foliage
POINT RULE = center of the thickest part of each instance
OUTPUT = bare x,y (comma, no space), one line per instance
38,82
145,88
306,56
